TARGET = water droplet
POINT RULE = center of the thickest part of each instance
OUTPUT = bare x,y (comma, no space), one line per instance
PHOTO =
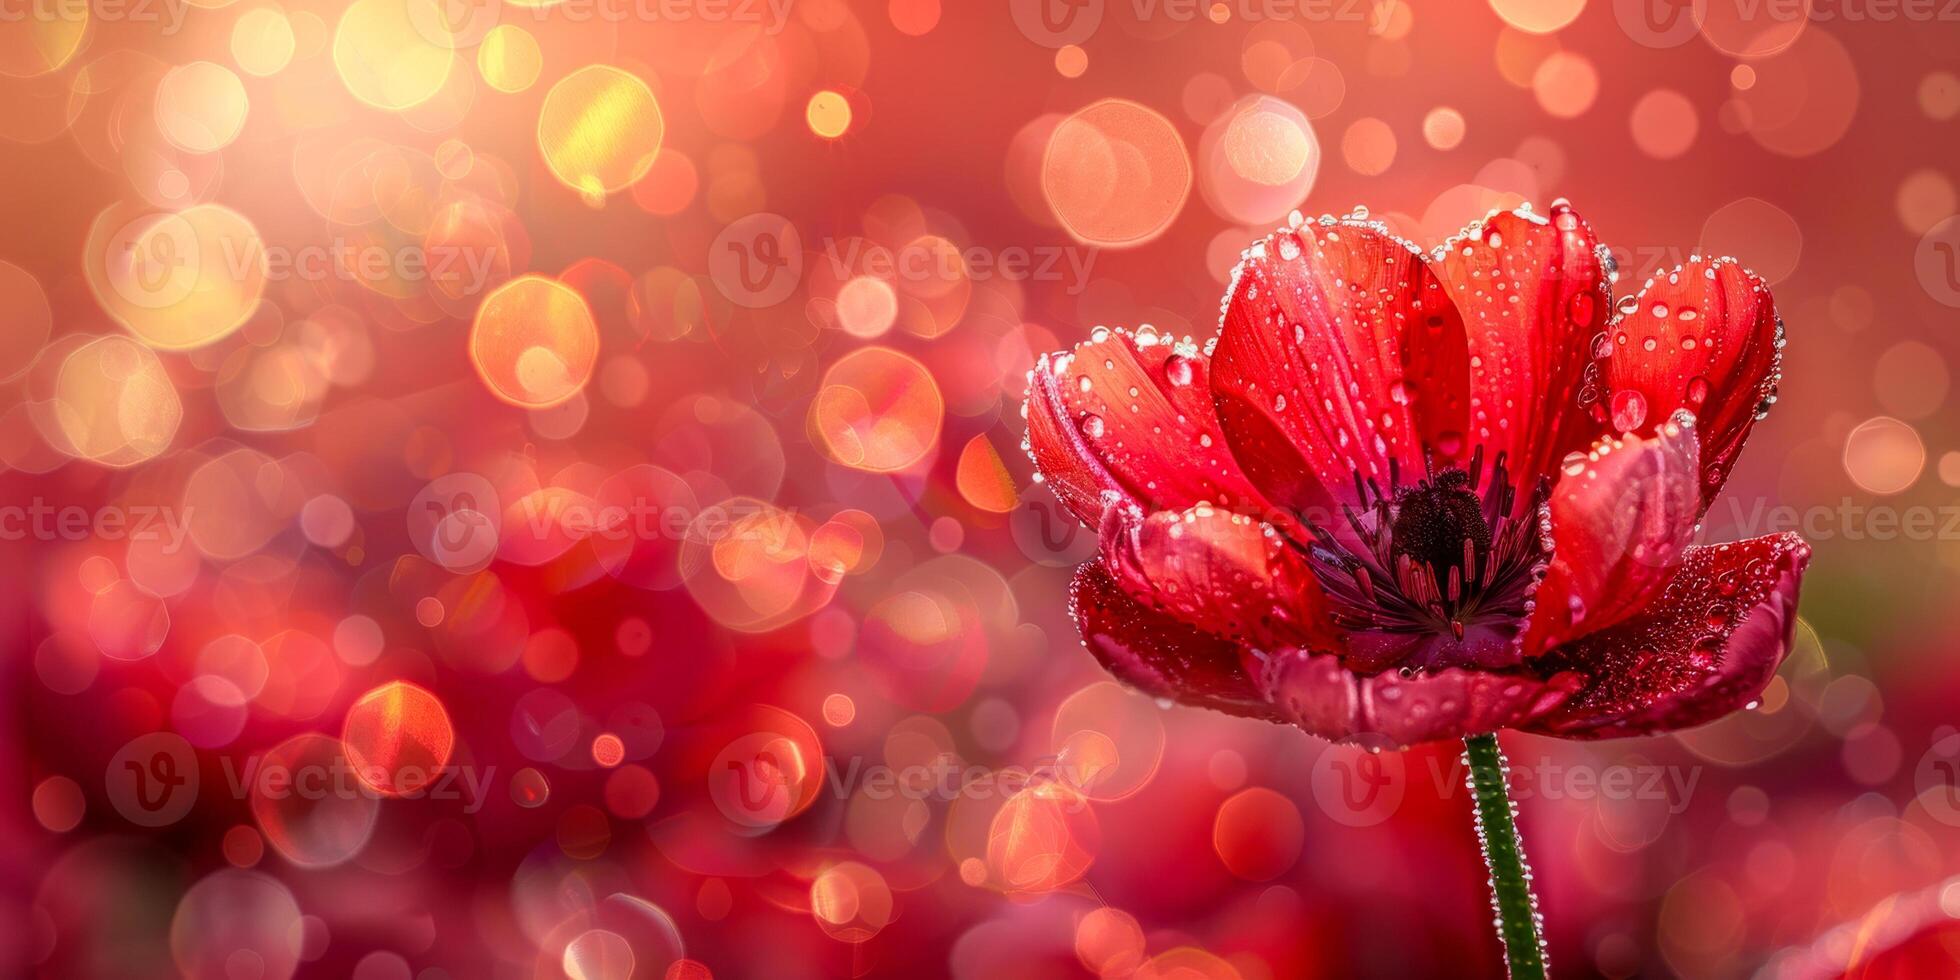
1697,392
1580,308
1092,426
1177,370
1289,246
1084,384
1629,410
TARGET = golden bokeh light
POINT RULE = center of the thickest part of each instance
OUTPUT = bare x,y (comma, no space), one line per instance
200,107
509,58
41,37
600,129
1258,160
1538,16
1044,838
177,280
1116,173
534,342
386,55
262,41
878,410
851,902
1884,455
114,403
866,306
983,479
829,114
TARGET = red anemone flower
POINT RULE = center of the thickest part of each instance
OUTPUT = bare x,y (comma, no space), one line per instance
1405,497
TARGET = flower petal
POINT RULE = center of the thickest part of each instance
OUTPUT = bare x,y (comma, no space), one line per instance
1704,337
1224,573
1621,515
1533,295
1158,655
1131,415
1316,693
1338,354
1706,647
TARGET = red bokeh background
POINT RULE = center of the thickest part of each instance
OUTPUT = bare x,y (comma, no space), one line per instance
811,704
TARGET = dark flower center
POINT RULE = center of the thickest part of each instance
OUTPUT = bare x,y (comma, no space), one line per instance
1441,521
1434,573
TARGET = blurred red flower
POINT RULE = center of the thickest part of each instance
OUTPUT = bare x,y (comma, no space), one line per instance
1407,498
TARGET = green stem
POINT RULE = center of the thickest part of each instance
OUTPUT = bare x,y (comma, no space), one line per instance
1510,876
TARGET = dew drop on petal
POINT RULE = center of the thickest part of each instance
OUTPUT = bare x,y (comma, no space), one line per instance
1629,410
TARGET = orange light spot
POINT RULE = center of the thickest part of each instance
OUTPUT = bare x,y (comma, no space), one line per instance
398,738
534,342
878,410
608,750
839,710
983,478
1043,838
1071,61
1116,173
1258,834
829,114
